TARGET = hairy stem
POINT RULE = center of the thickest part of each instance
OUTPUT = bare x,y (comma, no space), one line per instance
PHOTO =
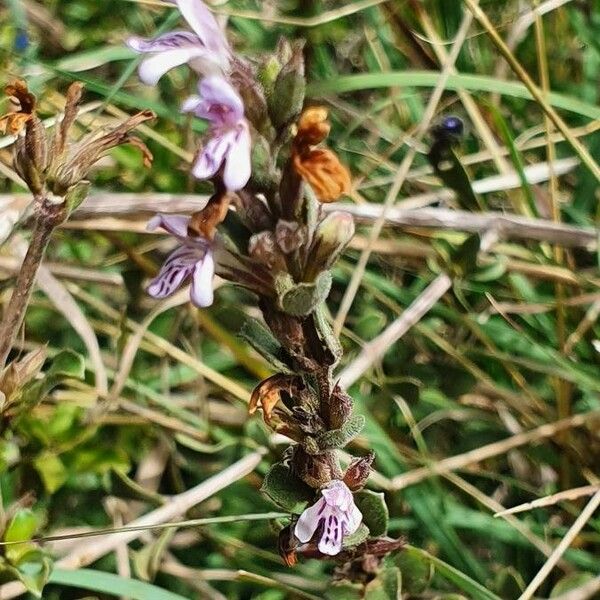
48,216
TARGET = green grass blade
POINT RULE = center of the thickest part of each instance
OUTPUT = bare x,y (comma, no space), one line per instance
114,585
460,81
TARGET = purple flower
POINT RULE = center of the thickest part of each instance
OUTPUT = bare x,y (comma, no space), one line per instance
335,512
229,145
192,259
206,50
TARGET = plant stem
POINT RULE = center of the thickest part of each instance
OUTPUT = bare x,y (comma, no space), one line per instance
47,217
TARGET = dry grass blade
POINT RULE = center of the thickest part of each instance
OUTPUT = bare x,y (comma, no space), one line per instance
583,153
90,551
570,536
488,451
572,494
403,170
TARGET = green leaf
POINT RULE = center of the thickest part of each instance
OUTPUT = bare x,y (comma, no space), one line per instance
22,526
338,438
387,585
374,510
263,341
113,585
344,590
416,569
358,537
66,364
51,470
286,490
300,299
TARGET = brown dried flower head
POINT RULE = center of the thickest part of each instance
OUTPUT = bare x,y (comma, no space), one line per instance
23,107
204,222
268,393
319,167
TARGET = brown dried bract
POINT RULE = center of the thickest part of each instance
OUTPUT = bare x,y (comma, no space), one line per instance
204,222
268,393
23,107
319,167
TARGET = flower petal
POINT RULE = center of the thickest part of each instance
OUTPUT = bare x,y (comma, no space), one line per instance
354,519
212,156
332,536
338,494
176,225
307,523
168,41
175,270
201,291
190,104
221,103
237,162
202,21
154,67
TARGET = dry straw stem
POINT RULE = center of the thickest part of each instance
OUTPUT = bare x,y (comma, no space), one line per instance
490,450
90,551
535,91
570,536
572,494
403,170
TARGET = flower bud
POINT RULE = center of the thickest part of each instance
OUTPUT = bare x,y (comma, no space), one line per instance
267,74
263,248
333,234
358,472
289,235
287,99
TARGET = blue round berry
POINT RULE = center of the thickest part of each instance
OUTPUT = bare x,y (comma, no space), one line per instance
453,125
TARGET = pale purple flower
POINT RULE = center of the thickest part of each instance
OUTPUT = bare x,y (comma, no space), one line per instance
206,50
193,259
337,515
229,144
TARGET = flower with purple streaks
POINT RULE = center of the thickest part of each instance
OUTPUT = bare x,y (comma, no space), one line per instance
206,50
335,515
229,145
193,259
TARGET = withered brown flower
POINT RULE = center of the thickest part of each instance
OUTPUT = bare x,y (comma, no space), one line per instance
23,107
204,222
319,167
268,393
323,171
